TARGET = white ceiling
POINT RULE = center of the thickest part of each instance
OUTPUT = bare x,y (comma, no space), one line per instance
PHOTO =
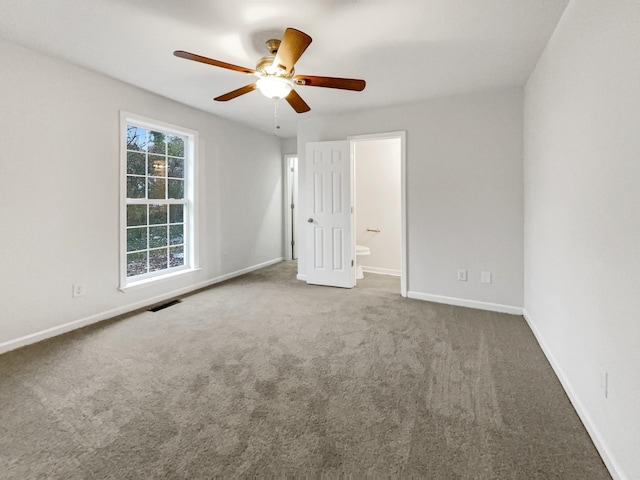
406,50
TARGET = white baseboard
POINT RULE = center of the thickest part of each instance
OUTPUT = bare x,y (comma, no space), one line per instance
237,273
608,459
461,302
301,276
382,271
83,322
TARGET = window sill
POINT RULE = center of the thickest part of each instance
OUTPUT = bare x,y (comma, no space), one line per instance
153,280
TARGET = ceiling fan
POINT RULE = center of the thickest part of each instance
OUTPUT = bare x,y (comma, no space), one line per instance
276,76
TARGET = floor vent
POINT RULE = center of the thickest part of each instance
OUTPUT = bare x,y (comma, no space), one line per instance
162,306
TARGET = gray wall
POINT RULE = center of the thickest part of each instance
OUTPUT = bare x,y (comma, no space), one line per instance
59,203
289,146
582,221
464,191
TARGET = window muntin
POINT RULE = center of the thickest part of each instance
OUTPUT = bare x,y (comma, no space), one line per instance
158,208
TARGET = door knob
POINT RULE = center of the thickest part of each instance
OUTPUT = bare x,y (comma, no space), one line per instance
310,220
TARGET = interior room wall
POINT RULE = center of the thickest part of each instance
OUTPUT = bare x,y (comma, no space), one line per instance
289,146
582,228
378,203
59,200
464,192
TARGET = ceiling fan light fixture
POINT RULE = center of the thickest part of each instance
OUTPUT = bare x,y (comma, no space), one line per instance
276,72
274,87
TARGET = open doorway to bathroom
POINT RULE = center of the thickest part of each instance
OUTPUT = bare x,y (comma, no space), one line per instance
379,226
347,179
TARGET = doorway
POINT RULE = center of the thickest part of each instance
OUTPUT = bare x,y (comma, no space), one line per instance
290,206
383,151
377,206
328,251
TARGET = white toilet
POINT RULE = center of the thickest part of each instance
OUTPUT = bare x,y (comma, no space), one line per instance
360,252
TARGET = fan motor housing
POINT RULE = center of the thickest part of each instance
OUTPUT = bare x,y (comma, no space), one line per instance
265,68
264,64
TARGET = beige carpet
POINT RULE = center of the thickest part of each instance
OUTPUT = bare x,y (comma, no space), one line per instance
267,376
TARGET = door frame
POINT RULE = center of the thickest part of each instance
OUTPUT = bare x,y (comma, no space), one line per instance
402,135
290,190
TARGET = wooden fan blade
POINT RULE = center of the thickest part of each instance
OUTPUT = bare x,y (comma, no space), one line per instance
296,102
292,46
211,61
330,82
236,93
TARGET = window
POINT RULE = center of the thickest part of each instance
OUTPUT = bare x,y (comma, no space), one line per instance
157,206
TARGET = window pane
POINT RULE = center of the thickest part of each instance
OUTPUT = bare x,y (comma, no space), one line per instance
157,166
136,239
136,138
136,215
175,146
176,256
156,188
157,214
135,163
176,168
157,259
135,187
157,236
176,189
176,213
136,263
176,234
158,175
157,143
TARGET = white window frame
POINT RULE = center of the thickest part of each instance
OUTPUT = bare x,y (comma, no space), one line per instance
190,217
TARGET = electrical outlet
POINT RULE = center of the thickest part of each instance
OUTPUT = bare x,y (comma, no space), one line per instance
485,277
78,290
462,275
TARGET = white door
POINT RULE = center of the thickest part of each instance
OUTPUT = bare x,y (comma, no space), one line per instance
330,249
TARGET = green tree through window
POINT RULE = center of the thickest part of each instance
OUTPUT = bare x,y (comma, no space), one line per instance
157,204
